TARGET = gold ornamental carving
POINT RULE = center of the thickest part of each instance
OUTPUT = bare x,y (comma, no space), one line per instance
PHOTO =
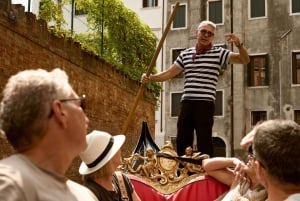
165,171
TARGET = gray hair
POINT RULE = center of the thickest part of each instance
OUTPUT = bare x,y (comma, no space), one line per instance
26,104
207,22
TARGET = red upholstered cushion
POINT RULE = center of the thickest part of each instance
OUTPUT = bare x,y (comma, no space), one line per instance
145,191
203,188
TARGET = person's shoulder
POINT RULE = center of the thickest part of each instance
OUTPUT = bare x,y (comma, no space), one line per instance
190,49
293,197
10,182
74,185
9,189
18,164
116,173
8,171
81,191
219,48
187,50
8,167
13,159
125,177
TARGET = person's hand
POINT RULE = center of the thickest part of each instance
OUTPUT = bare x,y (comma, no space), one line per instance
238,167
248,139
238,178
232,38
239,174
145,79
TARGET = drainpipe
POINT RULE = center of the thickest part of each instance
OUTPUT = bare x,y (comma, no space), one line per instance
162,67
29,5
283,36
102,29
231,88
72,16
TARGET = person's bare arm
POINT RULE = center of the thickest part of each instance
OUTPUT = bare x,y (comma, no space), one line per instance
242,56
171,72
223,169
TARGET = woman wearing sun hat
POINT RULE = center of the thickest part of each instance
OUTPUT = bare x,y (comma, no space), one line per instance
99,164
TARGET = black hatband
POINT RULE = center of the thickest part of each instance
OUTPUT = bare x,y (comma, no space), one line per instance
104,153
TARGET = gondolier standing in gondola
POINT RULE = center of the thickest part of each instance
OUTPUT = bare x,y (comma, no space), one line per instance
201,65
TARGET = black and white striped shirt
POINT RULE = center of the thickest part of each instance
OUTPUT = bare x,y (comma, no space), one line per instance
201,74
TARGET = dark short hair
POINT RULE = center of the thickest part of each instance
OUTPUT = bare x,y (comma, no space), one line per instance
276,147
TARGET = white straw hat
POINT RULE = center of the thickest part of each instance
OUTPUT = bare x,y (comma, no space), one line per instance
101,147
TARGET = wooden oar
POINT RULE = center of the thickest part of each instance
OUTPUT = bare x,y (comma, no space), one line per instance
149,70
197,161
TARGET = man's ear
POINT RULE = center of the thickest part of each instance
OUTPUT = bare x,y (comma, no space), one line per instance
58,113
260,173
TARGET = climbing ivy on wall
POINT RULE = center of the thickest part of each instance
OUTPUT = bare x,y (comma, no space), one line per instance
51,12
117,36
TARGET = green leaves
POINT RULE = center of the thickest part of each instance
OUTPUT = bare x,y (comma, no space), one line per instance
51,11
118,36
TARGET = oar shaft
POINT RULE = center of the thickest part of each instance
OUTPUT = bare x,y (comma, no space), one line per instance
149,70
161,41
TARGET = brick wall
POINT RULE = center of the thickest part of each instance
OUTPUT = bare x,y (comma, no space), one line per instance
25,43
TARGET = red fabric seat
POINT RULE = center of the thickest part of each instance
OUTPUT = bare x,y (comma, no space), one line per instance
204,188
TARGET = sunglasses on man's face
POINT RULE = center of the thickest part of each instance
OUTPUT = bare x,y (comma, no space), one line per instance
206,32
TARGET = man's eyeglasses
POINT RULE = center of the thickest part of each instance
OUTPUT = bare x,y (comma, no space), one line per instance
81,99
252,155
204,32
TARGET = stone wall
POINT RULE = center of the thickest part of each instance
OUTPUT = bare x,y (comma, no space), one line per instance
26,43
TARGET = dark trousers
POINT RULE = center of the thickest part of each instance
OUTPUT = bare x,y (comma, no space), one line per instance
199,116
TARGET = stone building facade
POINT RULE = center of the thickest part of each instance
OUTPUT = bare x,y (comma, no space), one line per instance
267,88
